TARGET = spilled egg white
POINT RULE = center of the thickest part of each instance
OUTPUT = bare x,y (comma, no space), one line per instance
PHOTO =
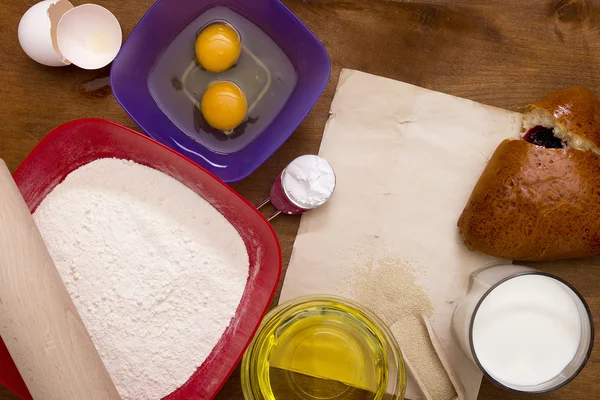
37,32
54,33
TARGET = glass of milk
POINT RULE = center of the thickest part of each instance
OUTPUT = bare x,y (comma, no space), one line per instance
528,331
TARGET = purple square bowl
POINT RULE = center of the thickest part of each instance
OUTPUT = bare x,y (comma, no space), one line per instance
159,28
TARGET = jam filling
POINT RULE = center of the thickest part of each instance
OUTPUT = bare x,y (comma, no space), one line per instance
544,137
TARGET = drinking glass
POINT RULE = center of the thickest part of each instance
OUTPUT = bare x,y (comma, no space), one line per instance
486,280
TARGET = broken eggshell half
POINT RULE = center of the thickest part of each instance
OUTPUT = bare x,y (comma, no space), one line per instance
37,32
54,33
89,36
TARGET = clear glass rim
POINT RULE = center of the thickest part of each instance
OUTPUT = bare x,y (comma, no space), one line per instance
537,392
284,309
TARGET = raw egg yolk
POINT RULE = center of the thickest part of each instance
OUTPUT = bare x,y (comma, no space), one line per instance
224,106
218,47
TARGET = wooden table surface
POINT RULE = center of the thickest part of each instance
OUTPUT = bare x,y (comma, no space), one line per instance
504,53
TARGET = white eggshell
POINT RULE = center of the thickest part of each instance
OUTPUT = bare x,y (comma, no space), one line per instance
89,36
37,32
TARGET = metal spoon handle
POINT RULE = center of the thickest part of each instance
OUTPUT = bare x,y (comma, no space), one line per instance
264,203
275,213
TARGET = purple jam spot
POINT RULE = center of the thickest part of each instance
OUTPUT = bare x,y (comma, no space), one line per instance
541,136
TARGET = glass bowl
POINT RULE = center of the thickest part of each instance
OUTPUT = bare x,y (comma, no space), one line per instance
323,348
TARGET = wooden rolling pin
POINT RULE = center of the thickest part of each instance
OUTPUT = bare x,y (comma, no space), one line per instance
38,320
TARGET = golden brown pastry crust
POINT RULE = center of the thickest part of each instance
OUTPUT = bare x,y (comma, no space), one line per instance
577,109
533,203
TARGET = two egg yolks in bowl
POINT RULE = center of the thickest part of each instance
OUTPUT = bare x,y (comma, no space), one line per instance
218,48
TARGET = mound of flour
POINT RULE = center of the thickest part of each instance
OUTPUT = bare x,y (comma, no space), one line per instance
155,271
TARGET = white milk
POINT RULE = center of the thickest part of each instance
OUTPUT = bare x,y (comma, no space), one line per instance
527,330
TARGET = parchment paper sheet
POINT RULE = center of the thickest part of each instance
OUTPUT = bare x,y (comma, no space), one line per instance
406,160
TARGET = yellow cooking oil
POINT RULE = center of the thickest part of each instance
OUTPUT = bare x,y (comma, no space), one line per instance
321,349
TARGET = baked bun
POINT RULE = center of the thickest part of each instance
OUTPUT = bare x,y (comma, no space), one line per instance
573,114
538,199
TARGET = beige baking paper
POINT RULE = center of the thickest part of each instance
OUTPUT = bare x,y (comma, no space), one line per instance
406,160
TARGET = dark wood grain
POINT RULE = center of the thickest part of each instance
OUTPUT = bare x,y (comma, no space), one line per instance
504,53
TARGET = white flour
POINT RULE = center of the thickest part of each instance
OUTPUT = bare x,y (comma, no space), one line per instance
154,270
309,181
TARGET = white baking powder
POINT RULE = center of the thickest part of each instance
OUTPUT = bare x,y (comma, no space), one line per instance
309,181
154,270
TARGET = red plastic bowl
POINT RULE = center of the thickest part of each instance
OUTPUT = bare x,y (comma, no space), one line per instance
76,143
